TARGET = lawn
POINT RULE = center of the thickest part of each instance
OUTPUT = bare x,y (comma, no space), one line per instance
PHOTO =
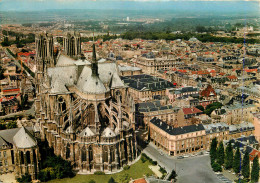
137,170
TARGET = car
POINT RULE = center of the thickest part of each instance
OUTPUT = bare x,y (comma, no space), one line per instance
186,156
161,153
206,153
180,157
200,153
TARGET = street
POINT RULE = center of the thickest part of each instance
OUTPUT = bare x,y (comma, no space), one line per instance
193,169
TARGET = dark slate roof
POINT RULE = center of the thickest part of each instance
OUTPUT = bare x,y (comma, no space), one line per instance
176,131
151,106
146,82
3,143
251,139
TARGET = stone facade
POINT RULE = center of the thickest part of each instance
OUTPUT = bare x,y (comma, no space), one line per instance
86,114
72,44
193,138
19,152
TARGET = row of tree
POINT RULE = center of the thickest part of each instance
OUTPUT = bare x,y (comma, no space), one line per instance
220,156
186,36
20,40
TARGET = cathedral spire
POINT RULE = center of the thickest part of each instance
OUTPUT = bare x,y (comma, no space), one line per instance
94,57
94,64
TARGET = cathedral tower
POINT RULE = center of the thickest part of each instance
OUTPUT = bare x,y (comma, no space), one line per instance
72,44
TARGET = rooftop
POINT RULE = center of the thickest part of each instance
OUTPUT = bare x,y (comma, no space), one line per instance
176,131
146,83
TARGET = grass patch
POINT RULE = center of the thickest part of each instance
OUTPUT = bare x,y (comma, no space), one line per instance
137,170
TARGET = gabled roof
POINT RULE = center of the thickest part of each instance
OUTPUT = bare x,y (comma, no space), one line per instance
87,132
192,110
93,85
24,139
64,60
108,132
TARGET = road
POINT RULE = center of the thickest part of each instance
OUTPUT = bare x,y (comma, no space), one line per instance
19,65
28,112
193,169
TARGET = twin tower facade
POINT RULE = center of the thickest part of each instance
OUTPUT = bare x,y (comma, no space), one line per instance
45,48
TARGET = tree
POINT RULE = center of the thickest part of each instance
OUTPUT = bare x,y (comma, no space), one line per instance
201,29
24,100
246,166
255,170
26,178
6,42
216,167
236,161
220,154
229,156
2,70
213,150
11,125
200,107
111,180
173,175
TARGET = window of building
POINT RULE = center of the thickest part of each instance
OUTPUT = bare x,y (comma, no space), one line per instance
1,164
6,163
4,153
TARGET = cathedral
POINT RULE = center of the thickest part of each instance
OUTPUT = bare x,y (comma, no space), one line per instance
83,108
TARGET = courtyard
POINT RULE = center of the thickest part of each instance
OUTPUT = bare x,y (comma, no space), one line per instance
137,170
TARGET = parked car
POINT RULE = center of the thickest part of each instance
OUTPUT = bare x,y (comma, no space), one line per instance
180,157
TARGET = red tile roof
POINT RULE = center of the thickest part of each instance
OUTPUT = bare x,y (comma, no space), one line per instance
232,77
184,71
212,71
203,72
253,154
222,73
206,92
192,110
251,70
142,180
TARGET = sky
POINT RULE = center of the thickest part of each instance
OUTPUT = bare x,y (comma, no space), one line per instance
37,5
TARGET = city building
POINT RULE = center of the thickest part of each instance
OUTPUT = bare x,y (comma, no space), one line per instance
145,87
177,141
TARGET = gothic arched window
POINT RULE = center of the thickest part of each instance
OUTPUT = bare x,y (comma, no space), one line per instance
105,154
67,151
28,158
83,154
90,153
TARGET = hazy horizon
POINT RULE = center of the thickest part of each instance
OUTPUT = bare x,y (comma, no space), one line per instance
43,5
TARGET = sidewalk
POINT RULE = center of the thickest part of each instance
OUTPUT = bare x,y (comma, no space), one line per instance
230,176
